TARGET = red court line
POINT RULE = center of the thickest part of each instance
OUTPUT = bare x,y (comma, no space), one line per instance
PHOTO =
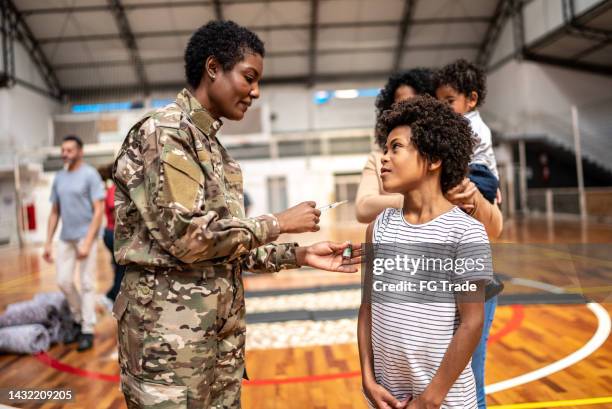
54,363
518,315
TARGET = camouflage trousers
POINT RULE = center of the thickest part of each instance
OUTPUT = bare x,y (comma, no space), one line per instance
181,339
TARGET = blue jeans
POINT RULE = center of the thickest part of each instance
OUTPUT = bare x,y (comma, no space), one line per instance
118,269
478,359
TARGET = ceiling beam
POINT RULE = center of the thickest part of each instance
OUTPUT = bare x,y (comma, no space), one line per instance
312,48
130,42
402,35
282,27
21,31
278,54
502,12
566,63
218,9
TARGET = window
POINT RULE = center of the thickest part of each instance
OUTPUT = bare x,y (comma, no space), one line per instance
346,185
277,193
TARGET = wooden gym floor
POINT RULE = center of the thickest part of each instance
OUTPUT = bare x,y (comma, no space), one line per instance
547,349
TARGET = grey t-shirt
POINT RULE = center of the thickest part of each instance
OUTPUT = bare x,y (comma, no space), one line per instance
75,192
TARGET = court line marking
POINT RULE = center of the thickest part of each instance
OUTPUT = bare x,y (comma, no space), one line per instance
590,290
513,324
601,335
555,404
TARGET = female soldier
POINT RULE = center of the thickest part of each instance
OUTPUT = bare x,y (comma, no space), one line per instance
181,231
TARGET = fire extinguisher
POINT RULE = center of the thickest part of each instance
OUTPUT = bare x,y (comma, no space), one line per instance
30,212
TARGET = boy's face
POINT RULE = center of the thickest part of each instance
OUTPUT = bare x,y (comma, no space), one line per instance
403,168
460,103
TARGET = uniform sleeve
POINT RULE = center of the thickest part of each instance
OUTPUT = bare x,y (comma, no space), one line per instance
165,183
271,258
370,201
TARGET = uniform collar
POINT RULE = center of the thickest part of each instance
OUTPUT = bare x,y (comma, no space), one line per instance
198,114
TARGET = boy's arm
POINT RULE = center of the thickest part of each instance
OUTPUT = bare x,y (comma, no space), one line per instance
364,324
461,348
376,393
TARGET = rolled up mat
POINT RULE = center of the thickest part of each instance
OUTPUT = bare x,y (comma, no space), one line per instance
25,312
24,339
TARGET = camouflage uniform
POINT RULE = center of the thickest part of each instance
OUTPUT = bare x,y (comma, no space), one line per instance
181,230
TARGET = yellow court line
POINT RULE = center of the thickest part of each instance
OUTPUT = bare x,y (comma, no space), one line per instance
555,404
598,289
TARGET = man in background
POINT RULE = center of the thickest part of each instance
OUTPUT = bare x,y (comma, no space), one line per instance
77,198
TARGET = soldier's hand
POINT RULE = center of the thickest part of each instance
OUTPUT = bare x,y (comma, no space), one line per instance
299,219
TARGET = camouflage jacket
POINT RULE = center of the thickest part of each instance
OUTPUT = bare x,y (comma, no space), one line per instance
179,200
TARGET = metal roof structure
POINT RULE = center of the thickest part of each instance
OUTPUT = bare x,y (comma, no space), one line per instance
137,46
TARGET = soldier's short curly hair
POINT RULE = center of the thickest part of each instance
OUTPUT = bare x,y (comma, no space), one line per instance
227,41
464,77
421,81
438,133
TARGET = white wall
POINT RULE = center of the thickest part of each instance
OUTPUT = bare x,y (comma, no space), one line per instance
24,114
294,110
24,126
307,179
532,98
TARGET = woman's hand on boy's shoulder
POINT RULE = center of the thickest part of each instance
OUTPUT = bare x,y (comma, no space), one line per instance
463,195
382,398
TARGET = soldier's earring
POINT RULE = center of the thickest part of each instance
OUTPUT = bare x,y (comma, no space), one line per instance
212,77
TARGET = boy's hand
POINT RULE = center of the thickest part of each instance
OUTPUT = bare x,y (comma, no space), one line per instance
382,398
326,255
463,195
422,402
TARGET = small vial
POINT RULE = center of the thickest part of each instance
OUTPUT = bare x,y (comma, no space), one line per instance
347,252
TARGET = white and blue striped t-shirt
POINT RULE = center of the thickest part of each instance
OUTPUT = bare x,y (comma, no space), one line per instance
409,339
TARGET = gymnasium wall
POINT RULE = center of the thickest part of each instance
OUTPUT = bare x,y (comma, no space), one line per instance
25,118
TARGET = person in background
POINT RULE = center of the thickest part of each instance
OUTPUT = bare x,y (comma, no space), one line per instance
77,198
462,85
371,197
109,233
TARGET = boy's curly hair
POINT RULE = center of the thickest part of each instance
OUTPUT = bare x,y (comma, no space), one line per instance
225,40
464,77
438,133
421,81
